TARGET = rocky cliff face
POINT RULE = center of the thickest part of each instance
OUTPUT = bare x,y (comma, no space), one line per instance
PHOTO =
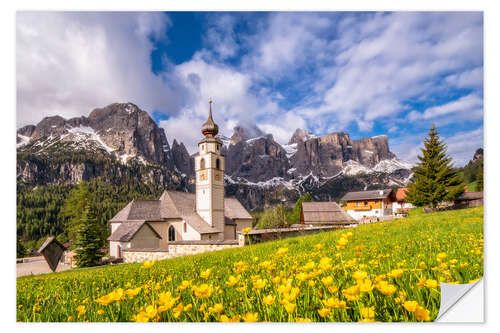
255,160
120,129
121,141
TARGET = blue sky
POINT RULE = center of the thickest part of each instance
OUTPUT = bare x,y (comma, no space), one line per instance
366,74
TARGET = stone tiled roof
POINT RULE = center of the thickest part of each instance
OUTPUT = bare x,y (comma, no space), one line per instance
178,205
471,196
325,213
235,210
367,195
126,231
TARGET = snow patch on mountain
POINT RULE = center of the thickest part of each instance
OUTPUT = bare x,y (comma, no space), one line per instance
290,149
83,133
352,168
24,140
391,165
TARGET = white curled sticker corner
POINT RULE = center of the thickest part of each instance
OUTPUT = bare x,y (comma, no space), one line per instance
451,294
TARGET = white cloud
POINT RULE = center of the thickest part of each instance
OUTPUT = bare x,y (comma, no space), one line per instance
467,79
460,146
230,89
465,104
389,60
71,63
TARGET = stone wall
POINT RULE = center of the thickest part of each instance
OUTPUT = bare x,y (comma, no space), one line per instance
181,248
140,255
175,249
264,235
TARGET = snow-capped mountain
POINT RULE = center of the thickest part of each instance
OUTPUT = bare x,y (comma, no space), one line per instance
256,165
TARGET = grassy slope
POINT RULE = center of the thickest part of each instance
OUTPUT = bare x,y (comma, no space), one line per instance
377,249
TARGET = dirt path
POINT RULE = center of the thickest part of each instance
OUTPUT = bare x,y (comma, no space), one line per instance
37,265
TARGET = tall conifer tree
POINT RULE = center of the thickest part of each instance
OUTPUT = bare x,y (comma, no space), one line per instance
435,180
88,240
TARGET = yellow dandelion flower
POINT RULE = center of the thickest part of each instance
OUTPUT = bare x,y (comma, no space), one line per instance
232,280
70,318
184,285
81,310
365,286
259,284
421,282
367,313
410,306
422,314
324,312
206,274
131,293
359,275
251,317
148,264
431,284
290,307
302,320
327,281
246,230
395,273
217,308
203,291
281,251
268,300
318,246
441,256
100,312
333,289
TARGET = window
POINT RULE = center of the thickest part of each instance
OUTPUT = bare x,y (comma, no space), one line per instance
171,233
202,163
185,227
366,203
217,164
217,147
202,147
359,203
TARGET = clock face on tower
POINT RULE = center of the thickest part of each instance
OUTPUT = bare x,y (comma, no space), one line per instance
218,175
203,175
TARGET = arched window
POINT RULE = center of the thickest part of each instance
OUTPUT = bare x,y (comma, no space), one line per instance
171,233
202,163
217,164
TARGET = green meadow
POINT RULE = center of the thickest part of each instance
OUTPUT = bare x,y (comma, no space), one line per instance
386,271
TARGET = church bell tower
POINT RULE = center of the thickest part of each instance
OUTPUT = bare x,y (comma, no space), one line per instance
209,169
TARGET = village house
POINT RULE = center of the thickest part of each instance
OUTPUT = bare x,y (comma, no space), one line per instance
376,203
470,199
324,213
178,222
400,206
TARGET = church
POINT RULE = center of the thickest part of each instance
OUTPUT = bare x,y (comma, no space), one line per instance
205,217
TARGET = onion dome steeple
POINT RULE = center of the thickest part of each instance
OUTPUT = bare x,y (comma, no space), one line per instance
210,128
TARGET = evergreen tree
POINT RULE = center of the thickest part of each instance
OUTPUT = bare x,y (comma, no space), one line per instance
294,217
20,250
480,179
88,240
74,206
435,180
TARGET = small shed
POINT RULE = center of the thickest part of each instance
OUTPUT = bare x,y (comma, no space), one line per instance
324,213
470,199
52,251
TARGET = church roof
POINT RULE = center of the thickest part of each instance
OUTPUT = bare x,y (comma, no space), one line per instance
126,231
235,210
325,213
176,205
